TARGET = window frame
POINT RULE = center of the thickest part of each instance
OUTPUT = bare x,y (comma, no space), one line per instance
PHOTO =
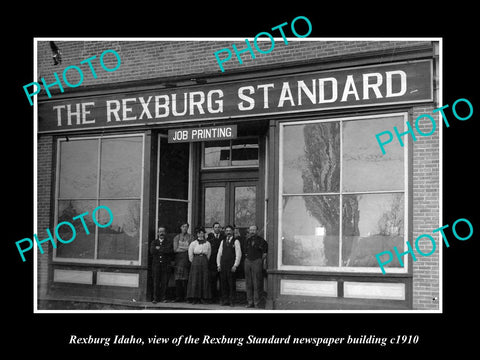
340,193
189,192
207,168
98,200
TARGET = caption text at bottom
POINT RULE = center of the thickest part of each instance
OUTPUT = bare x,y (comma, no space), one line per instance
249,340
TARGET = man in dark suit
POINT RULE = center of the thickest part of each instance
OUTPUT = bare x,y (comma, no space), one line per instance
161,250
215,238
228,260
255,254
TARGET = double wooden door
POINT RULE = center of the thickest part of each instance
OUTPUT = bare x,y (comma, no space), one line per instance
230,202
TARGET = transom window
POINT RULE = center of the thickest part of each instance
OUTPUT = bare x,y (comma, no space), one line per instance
241,152
341,200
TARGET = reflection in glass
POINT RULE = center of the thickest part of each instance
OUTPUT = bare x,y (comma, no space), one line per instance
310,230
174,167
364,166
78,169
216,153
311,158
245,206
121,167
214,205
245,152
372,223
83,245
172,214
120,172
120,240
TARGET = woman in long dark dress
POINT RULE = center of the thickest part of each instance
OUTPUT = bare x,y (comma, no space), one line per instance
199,251
181,242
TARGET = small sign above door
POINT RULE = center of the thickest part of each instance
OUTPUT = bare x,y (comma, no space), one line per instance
202,134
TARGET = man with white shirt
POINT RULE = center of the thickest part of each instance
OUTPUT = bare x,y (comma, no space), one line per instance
228,259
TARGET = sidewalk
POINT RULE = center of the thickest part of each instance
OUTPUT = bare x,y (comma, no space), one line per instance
85,303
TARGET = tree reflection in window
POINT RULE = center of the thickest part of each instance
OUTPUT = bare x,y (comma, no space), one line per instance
378,227
322,174
371,220
82,246
84,183
120,239
306,240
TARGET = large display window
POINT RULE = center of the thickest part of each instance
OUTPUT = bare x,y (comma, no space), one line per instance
97,171
341,200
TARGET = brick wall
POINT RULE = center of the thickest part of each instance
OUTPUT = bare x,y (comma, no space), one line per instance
44,208
155,59
426,210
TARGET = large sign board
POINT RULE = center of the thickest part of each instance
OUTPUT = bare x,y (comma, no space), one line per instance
382,84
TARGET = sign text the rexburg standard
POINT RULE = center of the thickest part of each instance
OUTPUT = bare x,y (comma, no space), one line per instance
321,90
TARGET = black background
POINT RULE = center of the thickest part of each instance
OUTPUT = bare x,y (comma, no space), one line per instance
48,334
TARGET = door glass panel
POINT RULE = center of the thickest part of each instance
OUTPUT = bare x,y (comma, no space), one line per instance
214,205
245,206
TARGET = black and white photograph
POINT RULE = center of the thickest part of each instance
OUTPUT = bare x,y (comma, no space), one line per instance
305,162
242,184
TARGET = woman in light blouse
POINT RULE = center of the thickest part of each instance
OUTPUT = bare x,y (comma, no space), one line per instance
199,251
181,242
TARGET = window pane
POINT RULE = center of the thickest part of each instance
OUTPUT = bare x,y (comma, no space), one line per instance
311,158
78,169
121,167
364,166
120,240
174,167
83,246
245,206
172,214
310,230
244,152
216,153
214,205
372,223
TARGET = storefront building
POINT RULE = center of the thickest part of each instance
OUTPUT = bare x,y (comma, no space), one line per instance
285,141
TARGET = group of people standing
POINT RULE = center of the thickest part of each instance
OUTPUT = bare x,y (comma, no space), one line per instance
201,260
